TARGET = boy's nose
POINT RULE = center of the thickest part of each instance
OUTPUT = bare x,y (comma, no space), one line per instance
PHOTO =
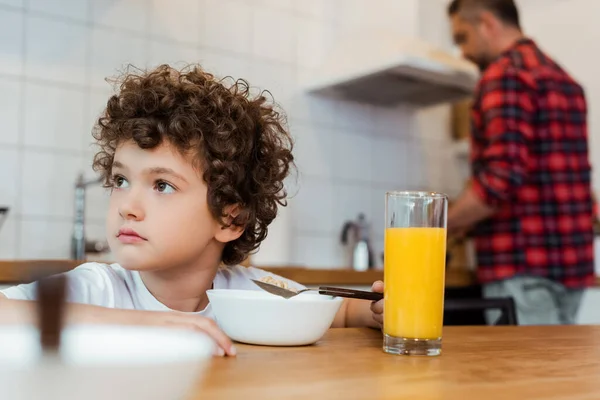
131,208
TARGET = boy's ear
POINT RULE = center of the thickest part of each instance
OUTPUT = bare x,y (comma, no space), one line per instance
230,232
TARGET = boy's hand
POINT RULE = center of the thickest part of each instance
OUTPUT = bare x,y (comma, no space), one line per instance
193,322
377,306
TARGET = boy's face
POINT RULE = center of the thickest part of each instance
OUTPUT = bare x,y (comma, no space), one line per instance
158,216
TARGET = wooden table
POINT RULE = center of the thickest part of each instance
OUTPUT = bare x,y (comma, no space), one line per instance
483,363
16,271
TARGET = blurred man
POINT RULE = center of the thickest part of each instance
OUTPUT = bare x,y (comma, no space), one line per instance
529,203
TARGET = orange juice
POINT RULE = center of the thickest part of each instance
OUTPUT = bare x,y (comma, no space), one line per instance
414,271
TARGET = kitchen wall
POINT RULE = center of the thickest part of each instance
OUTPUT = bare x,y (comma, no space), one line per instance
55,55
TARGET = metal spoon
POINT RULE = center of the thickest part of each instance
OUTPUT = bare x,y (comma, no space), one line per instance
329,291
278,291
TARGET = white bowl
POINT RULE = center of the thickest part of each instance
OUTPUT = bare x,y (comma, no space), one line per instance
258,317
103,362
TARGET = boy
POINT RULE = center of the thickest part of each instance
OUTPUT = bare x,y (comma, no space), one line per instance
196,173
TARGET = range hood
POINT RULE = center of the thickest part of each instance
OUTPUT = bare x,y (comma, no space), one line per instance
385,71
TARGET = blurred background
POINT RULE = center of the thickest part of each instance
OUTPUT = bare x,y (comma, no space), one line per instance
56,54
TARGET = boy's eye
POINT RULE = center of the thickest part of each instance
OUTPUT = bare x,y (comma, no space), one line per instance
164,187
120,182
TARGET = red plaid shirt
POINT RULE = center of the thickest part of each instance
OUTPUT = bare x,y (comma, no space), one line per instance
529,160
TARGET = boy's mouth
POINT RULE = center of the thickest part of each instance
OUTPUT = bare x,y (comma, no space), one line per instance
128,235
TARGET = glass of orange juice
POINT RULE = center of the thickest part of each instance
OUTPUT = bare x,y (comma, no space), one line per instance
414,271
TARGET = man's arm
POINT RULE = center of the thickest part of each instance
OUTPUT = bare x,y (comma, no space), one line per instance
507,110
468,210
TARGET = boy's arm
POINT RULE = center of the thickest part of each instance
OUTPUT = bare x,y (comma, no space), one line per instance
25,312
356,313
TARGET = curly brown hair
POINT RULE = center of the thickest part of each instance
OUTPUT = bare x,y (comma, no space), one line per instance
239,142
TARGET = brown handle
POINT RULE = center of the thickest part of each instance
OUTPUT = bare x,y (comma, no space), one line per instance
350,293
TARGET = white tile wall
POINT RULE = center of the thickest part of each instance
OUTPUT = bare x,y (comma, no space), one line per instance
434,26
9,237
13,3
286,5
97,198
97,103
123,14
355,12
435,176
277,78
355,118
236,34
396,122
315,40
48,179
318,9
389,164
309,107
352,156
377,212
318,251
272,37
12,25
45,122
76,9
176,20
277,252
42,238
313,152
108,60
312,208
417,166
349,201
176,54
55,56
10,107
55,50
225,64
378,245
399,18
9,176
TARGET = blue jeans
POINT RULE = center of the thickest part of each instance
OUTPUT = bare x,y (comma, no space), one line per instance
539,301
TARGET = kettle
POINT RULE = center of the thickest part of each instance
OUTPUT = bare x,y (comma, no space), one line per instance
361,252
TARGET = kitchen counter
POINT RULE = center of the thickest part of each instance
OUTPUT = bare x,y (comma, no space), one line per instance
19,271
492,363
25,270
16,271
309,276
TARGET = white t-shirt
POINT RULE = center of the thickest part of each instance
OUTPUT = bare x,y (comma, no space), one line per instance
113,286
